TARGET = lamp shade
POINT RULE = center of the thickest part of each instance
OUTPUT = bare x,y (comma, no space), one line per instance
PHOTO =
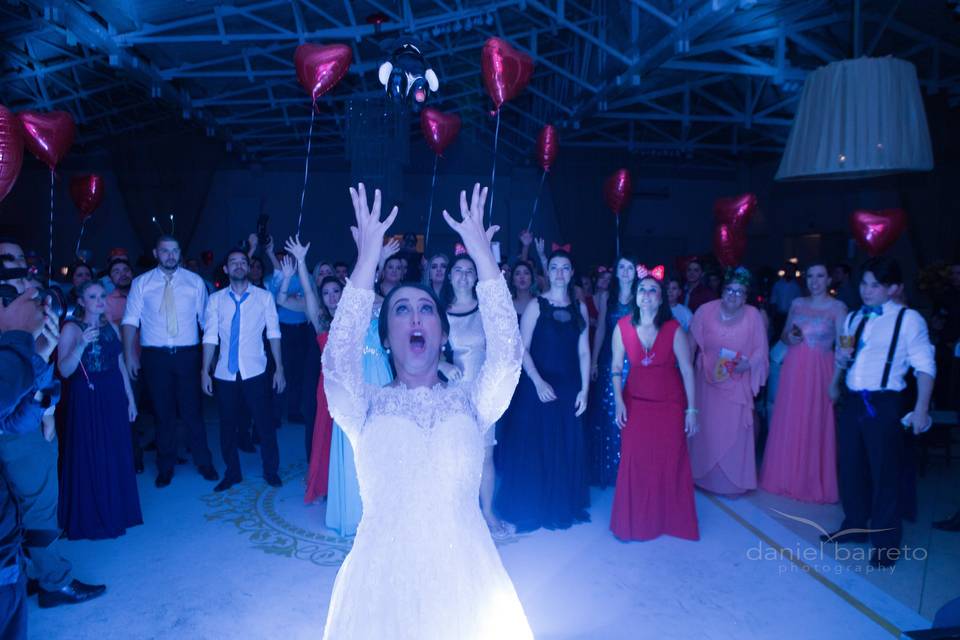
856,119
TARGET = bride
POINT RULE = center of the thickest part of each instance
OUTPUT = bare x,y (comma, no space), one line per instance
423,564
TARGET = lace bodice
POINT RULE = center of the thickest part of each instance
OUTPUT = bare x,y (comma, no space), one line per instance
819,325
482,401
102,355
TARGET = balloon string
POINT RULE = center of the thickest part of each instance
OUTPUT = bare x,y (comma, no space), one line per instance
83,226
493,173
306,169
50,262
433,184
536,202
618,234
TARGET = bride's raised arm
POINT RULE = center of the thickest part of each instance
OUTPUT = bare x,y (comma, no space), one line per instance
342,357
493,388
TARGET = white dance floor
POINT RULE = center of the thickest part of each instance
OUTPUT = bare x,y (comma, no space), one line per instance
255,562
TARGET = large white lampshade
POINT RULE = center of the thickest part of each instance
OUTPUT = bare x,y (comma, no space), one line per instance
856,119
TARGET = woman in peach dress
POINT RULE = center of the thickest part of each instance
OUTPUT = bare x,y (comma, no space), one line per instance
732,364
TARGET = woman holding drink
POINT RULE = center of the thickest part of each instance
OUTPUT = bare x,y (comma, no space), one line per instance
800,460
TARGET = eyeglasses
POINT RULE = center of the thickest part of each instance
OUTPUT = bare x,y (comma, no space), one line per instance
736,293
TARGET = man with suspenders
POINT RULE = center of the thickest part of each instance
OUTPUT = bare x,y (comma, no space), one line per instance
889,339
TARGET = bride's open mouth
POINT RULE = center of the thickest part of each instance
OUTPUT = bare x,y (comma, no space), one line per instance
418,343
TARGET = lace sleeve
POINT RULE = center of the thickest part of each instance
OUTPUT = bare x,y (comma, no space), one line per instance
343,359
493,387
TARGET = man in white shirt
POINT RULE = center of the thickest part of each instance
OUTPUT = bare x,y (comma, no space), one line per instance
236,318
888,340
167,303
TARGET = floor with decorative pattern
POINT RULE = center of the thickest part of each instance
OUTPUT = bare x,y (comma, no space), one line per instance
255,562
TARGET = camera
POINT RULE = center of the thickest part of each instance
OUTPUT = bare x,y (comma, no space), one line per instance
9,293
262,234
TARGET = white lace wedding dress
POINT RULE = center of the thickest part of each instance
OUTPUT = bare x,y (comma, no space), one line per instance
423,565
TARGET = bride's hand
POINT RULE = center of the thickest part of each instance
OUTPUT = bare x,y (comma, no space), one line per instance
476,239
369,230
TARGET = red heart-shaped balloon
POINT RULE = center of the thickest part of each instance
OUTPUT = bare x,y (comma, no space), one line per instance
321,67
876,231
86,191
547,147
506,71
617,191
48,135
736,210
439,128
729,244
11,150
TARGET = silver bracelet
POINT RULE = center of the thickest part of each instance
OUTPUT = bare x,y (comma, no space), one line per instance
689,411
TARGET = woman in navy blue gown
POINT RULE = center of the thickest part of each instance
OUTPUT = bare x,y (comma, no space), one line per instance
98,485
542,466
603,433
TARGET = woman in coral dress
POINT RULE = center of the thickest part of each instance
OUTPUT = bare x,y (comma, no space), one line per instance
800,460
656,412
732,363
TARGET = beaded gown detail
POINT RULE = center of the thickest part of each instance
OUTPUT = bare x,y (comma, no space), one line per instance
98,484
423,565
603,435
800,460
344,506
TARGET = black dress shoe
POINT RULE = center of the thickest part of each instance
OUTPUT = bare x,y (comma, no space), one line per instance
73,593
138,466
33,586
208,473
225,484
839,537
950,524
273,480
163,479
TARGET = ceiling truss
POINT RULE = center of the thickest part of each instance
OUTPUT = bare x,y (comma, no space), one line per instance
718,78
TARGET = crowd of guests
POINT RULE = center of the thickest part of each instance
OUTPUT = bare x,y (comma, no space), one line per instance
632,378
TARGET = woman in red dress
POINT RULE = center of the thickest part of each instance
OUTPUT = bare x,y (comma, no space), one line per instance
320,313
656,413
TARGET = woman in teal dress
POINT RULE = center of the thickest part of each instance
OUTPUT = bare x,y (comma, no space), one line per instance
344,507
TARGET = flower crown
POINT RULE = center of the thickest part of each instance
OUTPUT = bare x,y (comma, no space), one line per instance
740,275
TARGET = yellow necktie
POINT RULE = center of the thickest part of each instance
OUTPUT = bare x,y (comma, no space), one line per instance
170,308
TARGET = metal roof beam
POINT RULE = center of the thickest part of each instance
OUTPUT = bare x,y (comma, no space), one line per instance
734,69
772,122
699,21
583,33
652,10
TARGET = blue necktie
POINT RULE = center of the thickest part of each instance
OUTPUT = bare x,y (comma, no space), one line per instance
872,311
233,356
